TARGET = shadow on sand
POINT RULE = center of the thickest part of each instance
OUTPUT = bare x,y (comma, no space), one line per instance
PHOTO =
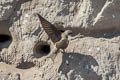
76,66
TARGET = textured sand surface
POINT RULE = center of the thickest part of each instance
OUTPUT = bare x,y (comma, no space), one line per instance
92,54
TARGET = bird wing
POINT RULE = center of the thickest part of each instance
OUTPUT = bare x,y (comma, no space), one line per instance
50,29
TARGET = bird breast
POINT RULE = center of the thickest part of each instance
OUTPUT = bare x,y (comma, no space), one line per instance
62,44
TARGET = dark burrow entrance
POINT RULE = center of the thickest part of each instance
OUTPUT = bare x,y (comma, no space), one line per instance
5,41
44,49
4,38
41,49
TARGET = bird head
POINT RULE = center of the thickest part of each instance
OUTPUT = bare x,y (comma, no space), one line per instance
68,32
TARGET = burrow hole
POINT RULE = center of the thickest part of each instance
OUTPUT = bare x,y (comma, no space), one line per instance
41,49
5,41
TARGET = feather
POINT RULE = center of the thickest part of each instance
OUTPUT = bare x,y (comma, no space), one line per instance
50,29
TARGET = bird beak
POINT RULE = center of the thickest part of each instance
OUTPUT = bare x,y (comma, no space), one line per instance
70,34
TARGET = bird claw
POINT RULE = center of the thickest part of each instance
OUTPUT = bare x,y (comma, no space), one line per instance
78,36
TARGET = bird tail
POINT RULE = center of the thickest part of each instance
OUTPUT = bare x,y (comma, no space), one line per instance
53,54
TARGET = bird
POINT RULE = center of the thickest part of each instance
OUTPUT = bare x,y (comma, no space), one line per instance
59,39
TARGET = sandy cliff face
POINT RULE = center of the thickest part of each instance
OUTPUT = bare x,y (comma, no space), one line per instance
92,54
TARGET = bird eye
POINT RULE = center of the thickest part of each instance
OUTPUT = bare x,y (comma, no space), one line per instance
70,33
62,31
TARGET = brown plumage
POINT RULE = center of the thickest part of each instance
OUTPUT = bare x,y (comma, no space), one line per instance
59,39
50,29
